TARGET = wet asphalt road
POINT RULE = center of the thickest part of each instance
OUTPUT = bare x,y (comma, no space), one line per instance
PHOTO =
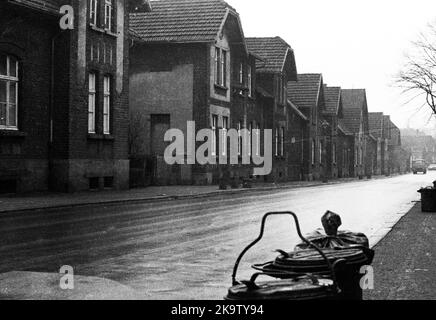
186,249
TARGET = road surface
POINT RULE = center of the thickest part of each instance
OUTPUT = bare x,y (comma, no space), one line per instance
186,249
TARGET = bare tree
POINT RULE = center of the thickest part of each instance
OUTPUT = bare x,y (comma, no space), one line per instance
418,76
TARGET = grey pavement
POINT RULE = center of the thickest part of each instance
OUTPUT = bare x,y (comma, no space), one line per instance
405,261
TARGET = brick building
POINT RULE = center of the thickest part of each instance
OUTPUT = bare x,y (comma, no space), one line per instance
332,113
355,119
189,62
274,70
66,127
308,95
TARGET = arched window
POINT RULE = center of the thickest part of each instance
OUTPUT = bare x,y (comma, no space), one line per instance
8,92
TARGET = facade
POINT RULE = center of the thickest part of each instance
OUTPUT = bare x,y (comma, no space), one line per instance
63,97
185,68
307,93
275,67
356,121
332,113
376,130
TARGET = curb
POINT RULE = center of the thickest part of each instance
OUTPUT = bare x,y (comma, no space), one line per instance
184,197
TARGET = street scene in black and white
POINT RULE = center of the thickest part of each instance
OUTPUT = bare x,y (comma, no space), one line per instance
217,150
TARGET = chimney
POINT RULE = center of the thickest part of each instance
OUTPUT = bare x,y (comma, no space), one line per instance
140,6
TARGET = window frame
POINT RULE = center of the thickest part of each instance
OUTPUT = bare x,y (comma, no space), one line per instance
214,128
225,127
250,81
282,141
221,63
109,18
107,104
92,110
93,12
9,79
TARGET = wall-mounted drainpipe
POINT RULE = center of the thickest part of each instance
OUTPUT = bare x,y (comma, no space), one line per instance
51,105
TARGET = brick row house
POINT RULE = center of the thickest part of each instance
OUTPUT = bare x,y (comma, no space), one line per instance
307,93
63,96
275,68
98,106
189,62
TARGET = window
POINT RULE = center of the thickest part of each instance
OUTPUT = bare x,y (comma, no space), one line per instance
8,92
108,182
91,103
241,74
250,136
321,145
94,183
214,131
250,82
277,142
258,141
108,14
282,141
239,138
93,12
334,153
221,67
106,104
313,152
224,132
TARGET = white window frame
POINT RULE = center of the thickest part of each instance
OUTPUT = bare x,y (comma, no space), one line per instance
221,61
108,14
107,105
92,78
258,141
241,74
8,79
277,142
93,12
250,83
250,138
320,147
239,138
214,127
313,152
225,127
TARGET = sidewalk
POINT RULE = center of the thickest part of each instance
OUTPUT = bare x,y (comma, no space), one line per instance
39,201
405,260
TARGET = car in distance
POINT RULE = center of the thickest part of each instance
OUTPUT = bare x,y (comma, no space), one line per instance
419,166
432,167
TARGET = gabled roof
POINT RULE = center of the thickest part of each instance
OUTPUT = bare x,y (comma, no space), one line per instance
376,124
183,21
276,54
332,96
305,92
354,108
51,6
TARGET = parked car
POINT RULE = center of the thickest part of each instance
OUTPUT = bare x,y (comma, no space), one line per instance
432,167
419,166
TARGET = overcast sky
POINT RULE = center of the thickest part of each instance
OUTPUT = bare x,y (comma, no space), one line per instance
354,44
